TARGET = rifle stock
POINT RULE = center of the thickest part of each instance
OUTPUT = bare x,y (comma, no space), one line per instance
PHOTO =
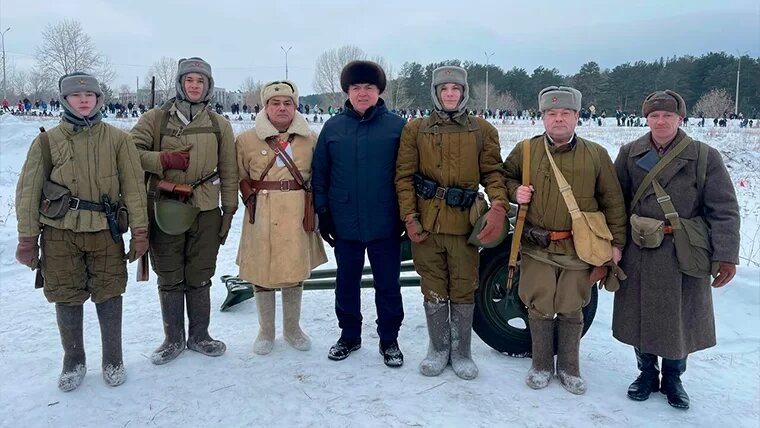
143,268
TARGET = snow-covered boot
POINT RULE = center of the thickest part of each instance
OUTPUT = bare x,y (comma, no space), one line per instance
439,330
291,316
109,316
69,319
173,315
649,379
568,355
671,384
198,317
265,308
542,343
461,336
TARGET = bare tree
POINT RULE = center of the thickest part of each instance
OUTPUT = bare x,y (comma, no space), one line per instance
714,103
19,81
496,99
328,68
165,72
105,72
66,48
40,86
252,91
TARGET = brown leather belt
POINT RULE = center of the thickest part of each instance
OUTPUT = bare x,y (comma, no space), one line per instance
560,235
667,229
283,185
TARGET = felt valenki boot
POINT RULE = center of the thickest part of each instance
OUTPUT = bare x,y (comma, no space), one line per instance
542,343
461,338
109,317
199,316
568,355
265,308
439,330
70,319
173,315
291,316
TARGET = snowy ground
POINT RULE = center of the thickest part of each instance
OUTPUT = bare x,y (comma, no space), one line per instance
292,388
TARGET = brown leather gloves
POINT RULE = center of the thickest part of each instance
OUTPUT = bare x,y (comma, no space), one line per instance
28,252
138,245
414,229
227,216
175,160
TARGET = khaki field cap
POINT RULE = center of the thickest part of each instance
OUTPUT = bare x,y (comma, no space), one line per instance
666,100
559,97
282,88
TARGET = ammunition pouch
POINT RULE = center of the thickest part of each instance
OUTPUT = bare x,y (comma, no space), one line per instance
455,197
54,203
122,217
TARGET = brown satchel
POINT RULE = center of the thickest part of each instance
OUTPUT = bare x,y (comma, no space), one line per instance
309,215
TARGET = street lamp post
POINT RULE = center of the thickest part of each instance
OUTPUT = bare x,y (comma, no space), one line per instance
736,101
286,59
488,57
2,41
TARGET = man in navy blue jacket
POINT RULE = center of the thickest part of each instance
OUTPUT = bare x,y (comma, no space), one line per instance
353,173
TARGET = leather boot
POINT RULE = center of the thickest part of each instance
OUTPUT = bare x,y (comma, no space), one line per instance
198,317
69,319
291,316
671,384
173,314
568,355
461,336
542,344
109,316
265,308
648,380
439,330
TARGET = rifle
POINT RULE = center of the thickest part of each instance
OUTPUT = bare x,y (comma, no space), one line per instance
143,268
521,213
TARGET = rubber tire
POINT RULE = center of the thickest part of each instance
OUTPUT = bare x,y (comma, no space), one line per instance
494,308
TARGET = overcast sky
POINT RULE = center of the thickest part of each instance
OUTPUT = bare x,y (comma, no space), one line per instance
241,39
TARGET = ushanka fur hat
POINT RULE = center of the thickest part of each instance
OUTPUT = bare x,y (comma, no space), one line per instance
666,100
194,65
362,72
78,82
559,97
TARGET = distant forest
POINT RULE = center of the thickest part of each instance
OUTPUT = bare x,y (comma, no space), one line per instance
622,87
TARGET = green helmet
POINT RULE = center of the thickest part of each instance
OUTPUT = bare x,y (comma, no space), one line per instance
174,217
478,227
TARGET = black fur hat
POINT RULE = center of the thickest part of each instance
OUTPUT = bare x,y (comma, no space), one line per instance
362,72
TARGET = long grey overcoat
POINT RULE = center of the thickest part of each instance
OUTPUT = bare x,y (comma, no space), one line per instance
658,309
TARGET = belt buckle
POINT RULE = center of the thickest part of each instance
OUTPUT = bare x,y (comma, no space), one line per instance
284,185
440,192
178,132
75,207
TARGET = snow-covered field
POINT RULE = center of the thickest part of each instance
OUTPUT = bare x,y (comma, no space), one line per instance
293,388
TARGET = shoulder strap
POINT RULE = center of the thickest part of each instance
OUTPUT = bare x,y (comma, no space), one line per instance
268,167
526,162
564,187
47,158
287,160
217,130
661,164
158,126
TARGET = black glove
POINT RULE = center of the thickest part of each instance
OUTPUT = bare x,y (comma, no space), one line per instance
327,227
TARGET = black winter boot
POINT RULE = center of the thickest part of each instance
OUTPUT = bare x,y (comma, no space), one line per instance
109,316
342,348
69,319
649,379
671,384
392,356
198,315
173,314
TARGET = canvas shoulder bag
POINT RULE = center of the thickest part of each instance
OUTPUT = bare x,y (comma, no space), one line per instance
591,235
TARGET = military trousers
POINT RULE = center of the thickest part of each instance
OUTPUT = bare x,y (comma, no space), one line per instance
385,259
187,260
554,284
82,265
448,267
